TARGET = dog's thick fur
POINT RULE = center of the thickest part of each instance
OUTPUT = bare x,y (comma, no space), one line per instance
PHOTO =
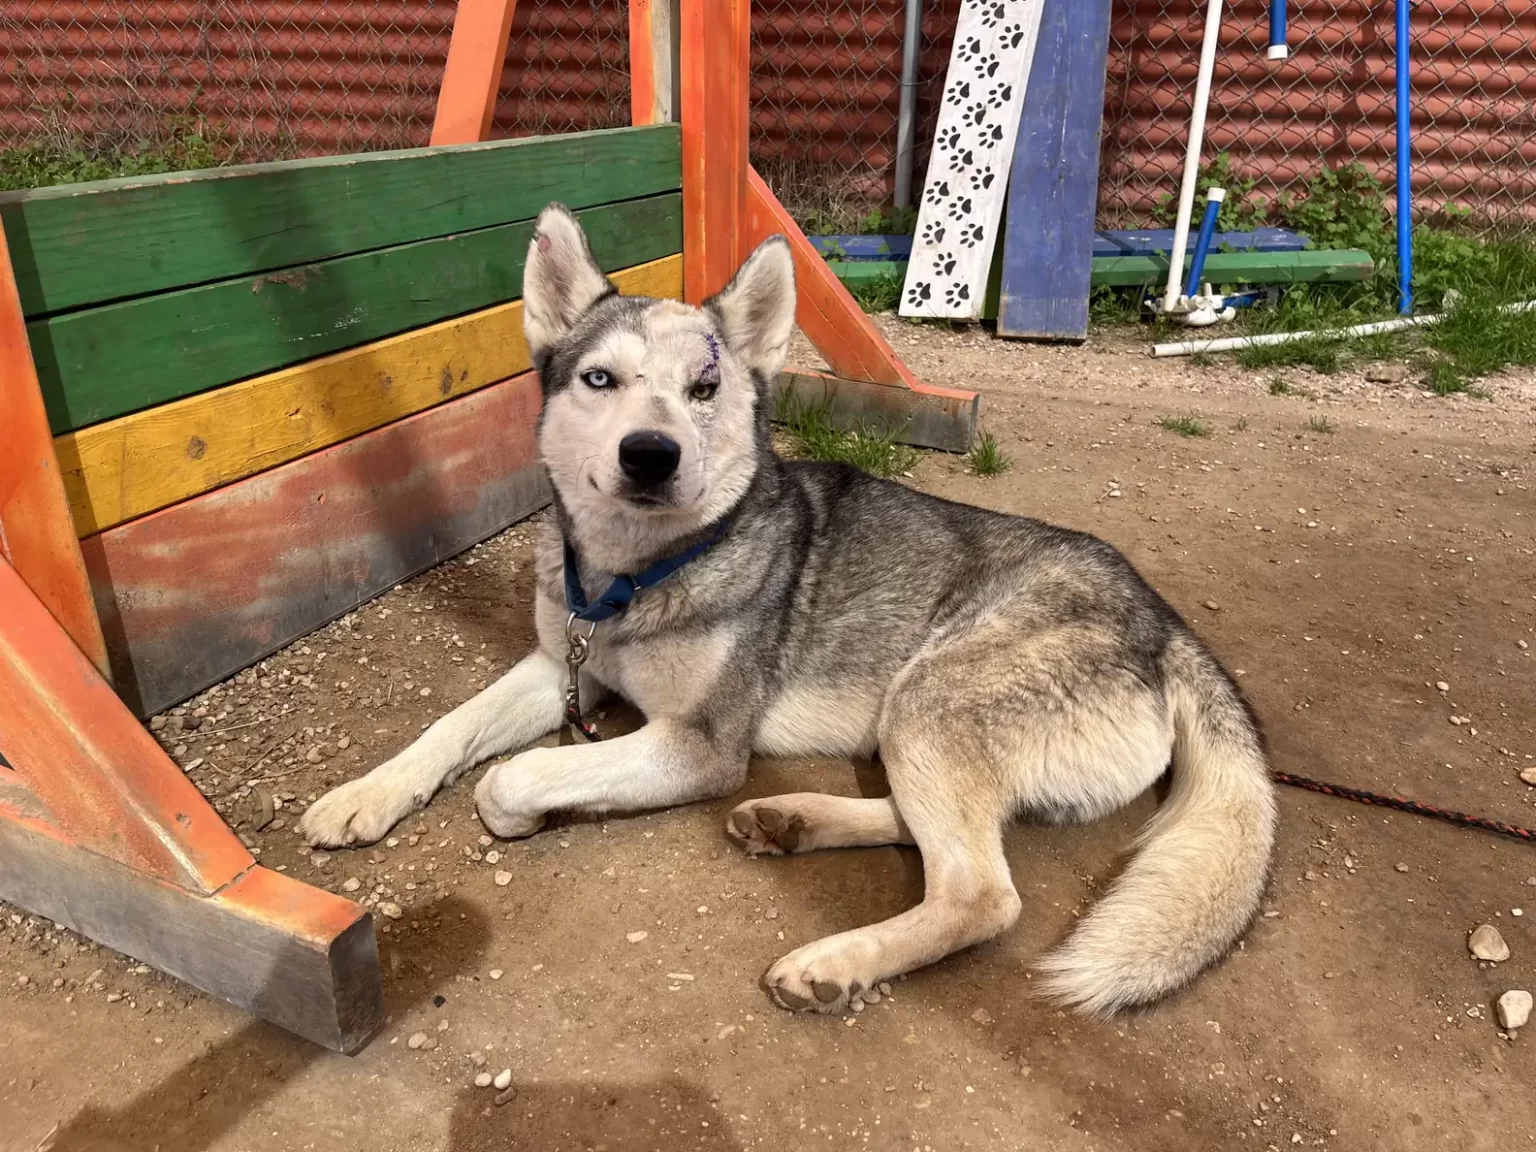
998,665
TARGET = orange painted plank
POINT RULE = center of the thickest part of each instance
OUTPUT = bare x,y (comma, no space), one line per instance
199,590
36,532
100,775
826,313
477,53
716,76
642,64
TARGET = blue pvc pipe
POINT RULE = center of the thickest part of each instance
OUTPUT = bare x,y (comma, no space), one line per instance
1404,165
1277,30
1203,243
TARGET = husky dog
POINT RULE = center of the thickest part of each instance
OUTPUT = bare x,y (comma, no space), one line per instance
999,666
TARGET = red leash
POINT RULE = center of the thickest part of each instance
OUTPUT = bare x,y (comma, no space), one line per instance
1460,819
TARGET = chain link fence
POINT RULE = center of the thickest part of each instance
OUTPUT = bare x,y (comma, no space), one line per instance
276,80
284,78
1332,103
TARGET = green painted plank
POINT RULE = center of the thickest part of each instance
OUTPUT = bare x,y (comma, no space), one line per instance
1311,266
105,362
83,244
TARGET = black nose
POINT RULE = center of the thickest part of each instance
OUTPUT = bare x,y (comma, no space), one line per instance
649,458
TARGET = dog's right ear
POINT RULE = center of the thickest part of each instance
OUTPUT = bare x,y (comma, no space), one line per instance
560,280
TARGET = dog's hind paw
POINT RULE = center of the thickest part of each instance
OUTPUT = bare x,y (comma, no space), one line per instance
825,976
765,831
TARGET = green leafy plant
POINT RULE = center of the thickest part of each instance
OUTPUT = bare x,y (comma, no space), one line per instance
813,435
880,294
987,457
1321,424
1186,425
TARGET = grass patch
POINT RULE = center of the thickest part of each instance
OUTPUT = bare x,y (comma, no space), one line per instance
1240,424
881,294
987,458
1322,425
73,161
1280,386
1186,425
813,436
1323,354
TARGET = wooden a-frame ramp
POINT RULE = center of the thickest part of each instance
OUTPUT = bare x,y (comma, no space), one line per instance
99,829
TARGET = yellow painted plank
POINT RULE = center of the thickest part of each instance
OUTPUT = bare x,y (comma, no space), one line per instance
127,467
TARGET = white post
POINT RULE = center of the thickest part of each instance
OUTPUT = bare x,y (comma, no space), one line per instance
1192,157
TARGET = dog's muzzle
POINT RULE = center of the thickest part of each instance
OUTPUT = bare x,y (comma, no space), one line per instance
649,459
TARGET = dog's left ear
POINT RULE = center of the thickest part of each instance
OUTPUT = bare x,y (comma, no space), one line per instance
560,280
756,311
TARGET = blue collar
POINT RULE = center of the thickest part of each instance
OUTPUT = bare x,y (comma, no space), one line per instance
623,588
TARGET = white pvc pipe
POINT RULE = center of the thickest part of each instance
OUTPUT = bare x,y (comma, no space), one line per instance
1192,158
1233,343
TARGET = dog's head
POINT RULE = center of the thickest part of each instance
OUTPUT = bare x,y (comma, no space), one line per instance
652,408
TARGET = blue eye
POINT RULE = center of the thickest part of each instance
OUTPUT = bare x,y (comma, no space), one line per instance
597,378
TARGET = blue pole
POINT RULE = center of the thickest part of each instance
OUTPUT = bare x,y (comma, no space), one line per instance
1278,47
1404,165
1213,199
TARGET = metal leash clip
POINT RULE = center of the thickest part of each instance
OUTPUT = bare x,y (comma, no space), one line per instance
578,648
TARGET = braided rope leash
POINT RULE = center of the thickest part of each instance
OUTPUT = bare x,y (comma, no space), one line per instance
1398,803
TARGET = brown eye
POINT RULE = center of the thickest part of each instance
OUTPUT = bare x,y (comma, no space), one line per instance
704,390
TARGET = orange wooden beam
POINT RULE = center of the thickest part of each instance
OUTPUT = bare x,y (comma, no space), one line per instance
101,777
826,313
715,84
37,536
477,52
652,61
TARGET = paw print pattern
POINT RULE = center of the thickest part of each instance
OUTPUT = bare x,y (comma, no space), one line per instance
960,208
992,14
972,234
981,181
992,135
949,139
945,264
969,49
938,193
959,94
988,65
933,232
1011,36
919,294
957,294
1000,96
975,115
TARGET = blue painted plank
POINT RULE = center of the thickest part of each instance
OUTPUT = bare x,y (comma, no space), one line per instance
1150,241
863,247
1053,188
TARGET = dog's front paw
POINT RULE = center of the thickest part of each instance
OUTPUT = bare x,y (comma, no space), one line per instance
358,812
821,977
762,829
504,806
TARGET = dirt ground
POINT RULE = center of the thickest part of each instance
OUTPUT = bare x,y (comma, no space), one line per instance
1343,574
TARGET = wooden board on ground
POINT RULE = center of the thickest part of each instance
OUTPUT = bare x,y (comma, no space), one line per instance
1315,266
82,244
962,203
105,362
152,459
302,958
932,418
194,592
1053,185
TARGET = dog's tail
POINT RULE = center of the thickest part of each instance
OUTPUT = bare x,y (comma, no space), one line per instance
1203,860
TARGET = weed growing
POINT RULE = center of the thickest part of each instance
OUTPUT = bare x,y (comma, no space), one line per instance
814,436
987,458
1186,425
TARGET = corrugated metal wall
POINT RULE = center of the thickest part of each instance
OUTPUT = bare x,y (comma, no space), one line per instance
302,77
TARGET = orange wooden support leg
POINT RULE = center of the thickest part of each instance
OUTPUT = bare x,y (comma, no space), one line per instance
101,831
715,87
653,52
477,53
37,535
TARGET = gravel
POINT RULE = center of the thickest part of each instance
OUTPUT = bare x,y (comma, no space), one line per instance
1514,1009
1486,944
